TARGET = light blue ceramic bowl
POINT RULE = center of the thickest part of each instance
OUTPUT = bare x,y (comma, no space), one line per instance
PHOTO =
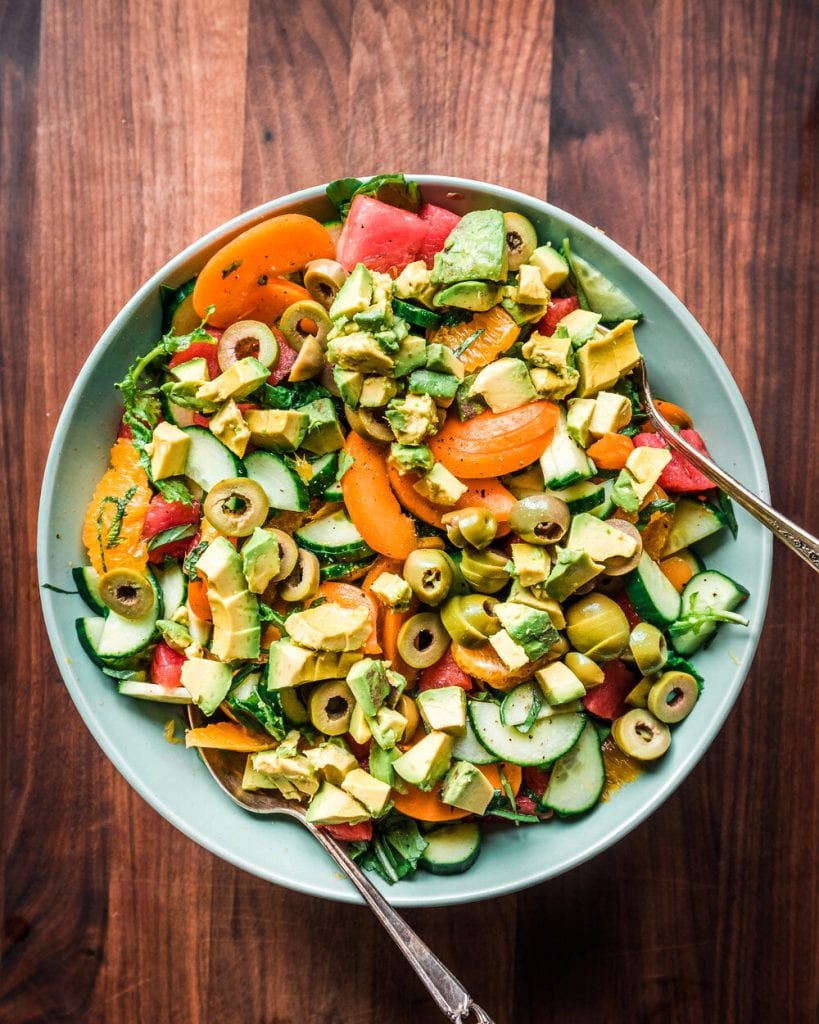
684,366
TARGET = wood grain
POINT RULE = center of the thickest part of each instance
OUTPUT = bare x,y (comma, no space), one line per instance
689,133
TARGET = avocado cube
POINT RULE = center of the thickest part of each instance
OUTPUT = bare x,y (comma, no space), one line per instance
467,788
349,384
372,793
570,572
519,313
413,418
374,317
330,627
168,450
554,384
296,770
359,728
238,381
377,391
638,697
392,591
531,562
580,324
332,806
191,371
228,425
381,764
207,682
536,597
646,466
611,413
333,761
578,420
504,384
387,727
253,780
355,295
477,296
559,684
425,762
621,340
442,359
291,665
410,355
475,250
323,431
440,486
553,268
549,352
411,458
599,539
437,385
444,709
368,683
509,652
414,282
277,430
260,559
597,366
529,627
531,289
359,351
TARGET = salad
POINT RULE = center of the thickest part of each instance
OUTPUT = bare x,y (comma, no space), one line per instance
385,505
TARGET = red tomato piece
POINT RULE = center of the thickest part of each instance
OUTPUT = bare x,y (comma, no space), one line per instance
284,364
557,309
363,831
608,700
164,515
525,804
679,476
535,781
166,666
198,350
440,223
380,236
445,672
124,430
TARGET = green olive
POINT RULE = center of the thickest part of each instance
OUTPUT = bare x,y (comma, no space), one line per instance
597,627
309,362
559,649
288,555
639,734
521,238
127,592
295,330
619,566
648,647
247,338
470,619
330,706
470,526
323,278
422,640
368,425
303,581
236,506
587,671
430,573
485,571
673,696
540,518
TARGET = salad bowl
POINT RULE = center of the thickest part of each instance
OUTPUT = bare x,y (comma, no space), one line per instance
685,367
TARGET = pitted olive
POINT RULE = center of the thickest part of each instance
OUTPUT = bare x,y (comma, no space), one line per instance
323,278
422,640
673,696
597,627
305,319
127,592
236,506
470,620
430,573
473,526
640,734
540,518
485,571
247,338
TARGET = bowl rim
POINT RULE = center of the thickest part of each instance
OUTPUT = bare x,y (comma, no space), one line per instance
401,896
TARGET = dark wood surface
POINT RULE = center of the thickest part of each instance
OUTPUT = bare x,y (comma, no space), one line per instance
686,130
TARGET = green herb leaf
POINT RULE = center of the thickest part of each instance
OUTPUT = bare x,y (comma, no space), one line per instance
172,534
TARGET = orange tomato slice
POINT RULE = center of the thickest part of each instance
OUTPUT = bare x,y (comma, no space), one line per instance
498,333
415,803
487,493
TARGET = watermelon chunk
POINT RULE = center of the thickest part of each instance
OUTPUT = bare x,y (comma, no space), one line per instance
608,700
440,223
380,236
556,310
679,476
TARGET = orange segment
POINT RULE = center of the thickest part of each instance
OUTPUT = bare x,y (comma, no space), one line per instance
498,333
228,736
112,528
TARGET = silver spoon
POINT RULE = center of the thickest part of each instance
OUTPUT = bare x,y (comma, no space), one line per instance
803,543
452,998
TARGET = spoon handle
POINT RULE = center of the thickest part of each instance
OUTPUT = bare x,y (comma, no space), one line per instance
450,995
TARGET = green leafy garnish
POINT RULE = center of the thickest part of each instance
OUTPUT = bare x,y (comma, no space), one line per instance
172,534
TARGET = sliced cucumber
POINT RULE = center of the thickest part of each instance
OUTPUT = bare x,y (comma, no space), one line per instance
87,581
334,492
152,691
325,468
602,295
707,590
606,507
279,480
173,584
177,414
520,706
209,461
343,570
451,849
416,315
547,740
126,638
582,497
334,537
578,777
693,521
564,462
469,748
653,595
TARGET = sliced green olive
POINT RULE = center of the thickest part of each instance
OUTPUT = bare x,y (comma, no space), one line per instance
304,580
297,318
640,734
470,619
323,278
587,671
540,518
368,425
673,696
288,555
127,592
485,571
648,648
597,627
330,706
247,338
619,566
430,573
521,238
473,525
422,640
309,362
236,506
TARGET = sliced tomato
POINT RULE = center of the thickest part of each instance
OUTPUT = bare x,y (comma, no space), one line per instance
164,515
362,832
556,310
380,236
166,666
679,476
608,700
445,672
284,364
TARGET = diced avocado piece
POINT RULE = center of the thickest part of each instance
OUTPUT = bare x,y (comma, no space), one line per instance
377,391
477,296
440,486
372,793
238,381
368,683
359,728
536,597
580,324
413,418
428,382
277,430
611,413
253,780
504,384
571,570
387,727
355,295
410,355
531,563
208,682
442,359
553,268
425,762
229,426
236,627
527,626
626,353
359,351
332,806
415,282
555,384
602,295
559,684
531,289
598,539
444,709
374,317
175,634
392,591
597,366
168,450
191,371
381,763
349,384
551,352
260,559
578,420
564,463
521,314
509,652
332,761
291,665
642,470
411,458
323,431
638,697
330,627
297,770
467,788
474,251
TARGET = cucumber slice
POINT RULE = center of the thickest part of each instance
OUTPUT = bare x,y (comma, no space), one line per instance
334,537
152,691
416,315
606,507
469,748
577,779
343,570
87,581
176,414
334,492
279,480
209,461
451,849
173,584
547,740
520,706
89,633
709,589
324,469
564,462
602,295
582,497
654,598
693,521
126,638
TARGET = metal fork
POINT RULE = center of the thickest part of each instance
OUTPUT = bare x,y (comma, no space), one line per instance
452,998
803,543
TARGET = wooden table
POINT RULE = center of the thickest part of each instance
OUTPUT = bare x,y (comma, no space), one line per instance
689,133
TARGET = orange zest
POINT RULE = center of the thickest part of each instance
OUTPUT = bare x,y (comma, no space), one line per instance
112,528
611,451
492,333
348,596
228,736
415,803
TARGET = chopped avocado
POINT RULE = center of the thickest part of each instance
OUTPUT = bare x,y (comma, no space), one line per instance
646,466
369,791
411,458
611,413
229,426
580,325
531,563
603,360
598,539
553,268
359,729
192,371
412,418
437,385
208,682
440,486
236,627
323,431
349,384
509,652
531,289
564,463
467,788
571,570
294,772
355,295
555,384
578,420
330,627
168,450
527,626
559,684
444,709
359,351
387,727
410,355
291,665
536,597
521,314
623,493
368,683
414,282
175,634
442,359
332,761
504,384
253,781
260,559
551,352
238,381
477,296
277,430
425,762
474,251
375,317
626,353
392,591
381,763
377,391
332,806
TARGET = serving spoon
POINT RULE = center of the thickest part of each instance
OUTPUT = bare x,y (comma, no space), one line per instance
453,1000
803,543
